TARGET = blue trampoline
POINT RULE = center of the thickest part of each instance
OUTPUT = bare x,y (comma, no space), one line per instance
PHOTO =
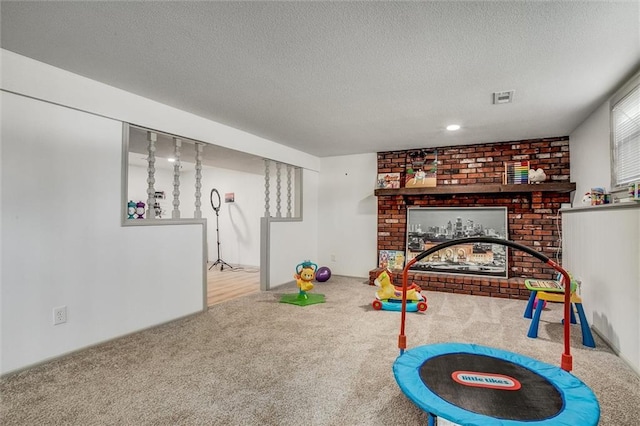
477,385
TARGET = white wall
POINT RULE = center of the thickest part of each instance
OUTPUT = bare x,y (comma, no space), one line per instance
239,222
590,153
347,214
63,244
602,248
600,244
345,210
292,242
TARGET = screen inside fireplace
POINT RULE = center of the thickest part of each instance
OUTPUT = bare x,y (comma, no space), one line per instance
430,226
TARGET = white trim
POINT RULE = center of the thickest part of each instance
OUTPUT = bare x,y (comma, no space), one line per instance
610,206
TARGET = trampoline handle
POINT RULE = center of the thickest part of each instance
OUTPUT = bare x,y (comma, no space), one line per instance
566,361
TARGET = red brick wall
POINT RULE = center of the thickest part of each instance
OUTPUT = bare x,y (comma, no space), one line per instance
532,217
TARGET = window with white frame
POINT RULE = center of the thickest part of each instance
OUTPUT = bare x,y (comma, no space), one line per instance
625,136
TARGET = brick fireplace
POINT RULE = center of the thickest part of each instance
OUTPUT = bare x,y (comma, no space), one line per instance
471,176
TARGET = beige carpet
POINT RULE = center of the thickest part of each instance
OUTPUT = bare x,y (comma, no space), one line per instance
255,361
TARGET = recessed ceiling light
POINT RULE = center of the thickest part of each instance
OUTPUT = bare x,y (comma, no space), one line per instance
171,160
453,127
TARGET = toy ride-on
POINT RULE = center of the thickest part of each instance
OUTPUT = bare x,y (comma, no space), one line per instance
389,297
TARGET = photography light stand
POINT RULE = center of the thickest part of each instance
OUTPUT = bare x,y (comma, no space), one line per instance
215,204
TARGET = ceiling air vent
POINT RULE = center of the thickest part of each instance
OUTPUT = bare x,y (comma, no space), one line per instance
503,97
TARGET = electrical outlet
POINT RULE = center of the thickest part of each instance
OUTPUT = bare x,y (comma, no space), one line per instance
333,257
59,315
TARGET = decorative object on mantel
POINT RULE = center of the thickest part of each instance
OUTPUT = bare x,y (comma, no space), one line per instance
422,168
516,172
388,181
537,176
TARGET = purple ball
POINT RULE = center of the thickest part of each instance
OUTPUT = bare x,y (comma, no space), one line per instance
323,274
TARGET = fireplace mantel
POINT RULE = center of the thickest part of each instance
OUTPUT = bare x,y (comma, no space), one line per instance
558,187
471,176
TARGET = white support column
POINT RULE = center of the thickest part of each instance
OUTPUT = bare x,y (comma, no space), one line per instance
288,190
177,143
278,213
266,188
151,180
198,213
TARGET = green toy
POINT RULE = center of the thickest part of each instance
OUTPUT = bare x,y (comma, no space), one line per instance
305,273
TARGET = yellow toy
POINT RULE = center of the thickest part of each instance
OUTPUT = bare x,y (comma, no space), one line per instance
389,291
304,276
389,297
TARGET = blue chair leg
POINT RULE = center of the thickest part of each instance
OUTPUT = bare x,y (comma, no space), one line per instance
572,317
528,312
431,419
587,337
533,327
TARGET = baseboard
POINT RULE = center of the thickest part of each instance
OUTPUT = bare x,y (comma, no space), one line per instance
102,342
615,350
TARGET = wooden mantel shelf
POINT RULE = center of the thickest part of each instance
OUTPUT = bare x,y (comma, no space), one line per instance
561,187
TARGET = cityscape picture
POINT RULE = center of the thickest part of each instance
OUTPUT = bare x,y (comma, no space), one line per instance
430,226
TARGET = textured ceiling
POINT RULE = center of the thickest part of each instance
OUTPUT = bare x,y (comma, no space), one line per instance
334,78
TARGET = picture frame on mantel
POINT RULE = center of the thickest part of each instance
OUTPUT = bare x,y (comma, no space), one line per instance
430,226
421,168
388,181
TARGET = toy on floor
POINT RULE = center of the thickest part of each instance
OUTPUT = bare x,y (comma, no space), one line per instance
389,297
305,273
304,276
323,274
